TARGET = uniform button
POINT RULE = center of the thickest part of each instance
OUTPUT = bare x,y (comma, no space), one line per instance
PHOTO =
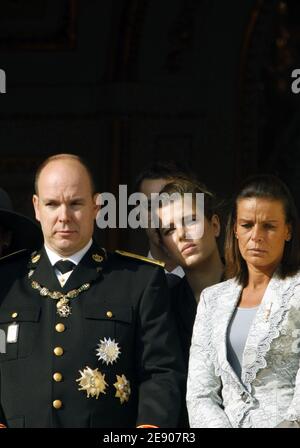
57,404
109,314
58,351
14,315
57,377
60,328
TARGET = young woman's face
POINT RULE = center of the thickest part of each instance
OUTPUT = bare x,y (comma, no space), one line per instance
189,238
262,232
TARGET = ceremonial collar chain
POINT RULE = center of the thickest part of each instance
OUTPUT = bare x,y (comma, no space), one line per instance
63,305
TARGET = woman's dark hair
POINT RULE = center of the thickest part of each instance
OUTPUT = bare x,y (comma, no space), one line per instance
269,187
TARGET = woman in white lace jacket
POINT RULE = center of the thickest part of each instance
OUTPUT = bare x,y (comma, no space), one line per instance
244,358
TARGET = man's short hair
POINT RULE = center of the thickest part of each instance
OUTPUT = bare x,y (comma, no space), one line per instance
169,169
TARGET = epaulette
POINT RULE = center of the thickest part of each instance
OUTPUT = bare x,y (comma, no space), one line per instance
13,255
140,257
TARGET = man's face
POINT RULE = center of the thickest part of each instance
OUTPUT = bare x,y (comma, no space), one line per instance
147,187
65,206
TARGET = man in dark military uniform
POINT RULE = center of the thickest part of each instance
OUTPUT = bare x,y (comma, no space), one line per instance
89,339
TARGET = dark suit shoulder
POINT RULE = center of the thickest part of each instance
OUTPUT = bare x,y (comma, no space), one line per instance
181,287
126,267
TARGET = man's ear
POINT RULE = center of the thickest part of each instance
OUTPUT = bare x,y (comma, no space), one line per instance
35,201
289,233
97,201
215,221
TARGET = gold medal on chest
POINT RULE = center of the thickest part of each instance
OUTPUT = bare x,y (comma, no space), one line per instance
63,308
92,382
122,386
108,351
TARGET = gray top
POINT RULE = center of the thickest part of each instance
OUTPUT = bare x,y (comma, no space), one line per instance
237,334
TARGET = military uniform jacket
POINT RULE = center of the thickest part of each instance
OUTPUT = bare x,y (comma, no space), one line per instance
120,332
184,307
269,392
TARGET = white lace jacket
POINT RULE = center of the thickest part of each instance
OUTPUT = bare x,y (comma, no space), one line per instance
270,392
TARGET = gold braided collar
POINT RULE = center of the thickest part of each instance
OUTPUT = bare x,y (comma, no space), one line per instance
57,295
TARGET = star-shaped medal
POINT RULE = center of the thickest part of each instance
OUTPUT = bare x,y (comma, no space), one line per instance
92,381
123,388
108,351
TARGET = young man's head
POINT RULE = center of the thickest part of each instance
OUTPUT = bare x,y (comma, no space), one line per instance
151,181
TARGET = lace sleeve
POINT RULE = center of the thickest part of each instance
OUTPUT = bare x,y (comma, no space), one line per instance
293,412
204,400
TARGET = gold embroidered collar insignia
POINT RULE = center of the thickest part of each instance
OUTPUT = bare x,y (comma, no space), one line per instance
35,258
98,258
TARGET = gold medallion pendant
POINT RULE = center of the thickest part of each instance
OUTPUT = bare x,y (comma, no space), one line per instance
63,308
92,381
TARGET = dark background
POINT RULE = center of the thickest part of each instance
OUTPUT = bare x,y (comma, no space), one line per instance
128,82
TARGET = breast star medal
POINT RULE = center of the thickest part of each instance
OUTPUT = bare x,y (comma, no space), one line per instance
108,351
92,381
123,388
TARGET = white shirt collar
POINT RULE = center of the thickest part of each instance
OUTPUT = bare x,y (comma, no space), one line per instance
75,258
177,271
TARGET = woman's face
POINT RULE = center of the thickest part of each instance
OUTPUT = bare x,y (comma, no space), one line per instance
189,238
262,232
